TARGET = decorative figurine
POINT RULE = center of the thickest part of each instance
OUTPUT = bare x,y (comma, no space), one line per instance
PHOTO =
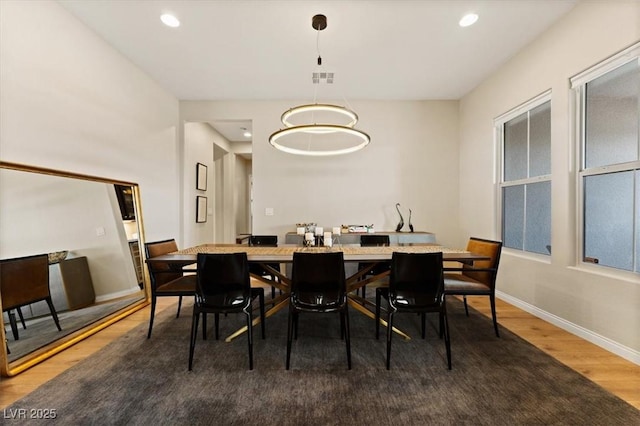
401,223
410,225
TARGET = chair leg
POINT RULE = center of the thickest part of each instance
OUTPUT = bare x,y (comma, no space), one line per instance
14,325
378,300
447,336
216,317
466,308
153,312
364,292
194,333
262,318
249,311
389,334
179,306
204,326
493,314
54,314
289,337
24,324
423,320
347,334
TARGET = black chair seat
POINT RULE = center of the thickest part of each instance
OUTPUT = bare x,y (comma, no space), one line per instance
231,301
414,301
319,301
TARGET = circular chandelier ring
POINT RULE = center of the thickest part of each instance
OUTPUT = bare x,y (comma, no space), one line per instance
300,109
318,128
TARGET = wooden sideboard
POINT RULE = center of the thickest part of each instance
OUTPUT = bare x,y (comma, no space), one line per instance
70,285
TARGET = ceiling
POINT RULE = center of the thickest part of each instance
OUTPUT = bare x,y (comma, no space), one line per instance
267,50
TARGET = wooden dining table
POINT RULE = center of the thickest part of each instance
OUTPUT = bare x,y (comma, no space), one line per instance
283,253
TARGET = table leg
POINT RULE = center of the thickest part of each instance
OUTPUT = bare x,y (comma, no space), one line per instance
358,307
256,321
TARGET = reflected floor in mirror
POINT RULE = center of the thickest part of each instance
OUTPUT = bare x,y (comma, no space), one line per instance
42,330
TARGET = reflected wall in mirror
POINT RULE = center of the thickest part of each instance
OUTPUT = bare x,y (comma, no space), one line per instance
69,251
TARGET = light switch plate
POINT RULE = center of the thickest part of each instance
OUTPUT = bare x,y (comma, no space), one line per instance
268,211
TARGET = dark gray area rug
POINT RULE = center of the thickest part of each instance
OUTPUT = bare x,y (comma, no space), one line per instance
494,381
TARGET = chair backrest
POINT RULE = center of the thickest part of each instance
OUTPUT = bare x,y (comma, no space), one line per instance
220,274
489,248
24,280
263,240
157,272
374,240
417,273
318,272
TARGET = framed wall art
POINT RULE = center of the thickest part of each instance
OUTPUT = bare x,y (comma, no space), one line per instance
201,209
201,177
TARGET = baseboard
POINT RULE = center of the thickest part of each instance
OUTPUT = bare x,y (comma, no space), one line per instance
586,334
111,296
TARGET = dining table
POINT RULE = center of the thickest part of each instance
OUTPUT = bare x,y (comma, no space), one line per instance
283,253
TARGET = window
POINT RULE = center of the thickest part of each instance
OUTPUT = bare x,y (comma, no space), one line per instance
608,114
525,185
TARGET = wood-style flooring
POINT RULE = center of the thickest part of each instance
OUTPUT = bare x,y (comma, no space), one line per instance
613,373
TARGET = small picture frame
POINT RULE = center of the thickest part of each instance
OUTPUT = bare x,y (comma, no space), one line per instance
201,209
201,177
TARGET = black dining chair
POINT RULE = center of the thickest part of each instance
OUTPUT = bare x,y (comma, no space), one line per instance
224,287
478,279
416,286
257,269
318,285
165,280
372,240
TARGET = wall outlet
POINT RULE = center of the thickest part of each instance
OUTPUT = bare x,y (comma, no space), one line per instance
99,231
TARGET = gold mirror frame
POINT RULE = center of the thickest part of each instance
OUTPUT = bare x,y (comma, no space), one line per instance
11,368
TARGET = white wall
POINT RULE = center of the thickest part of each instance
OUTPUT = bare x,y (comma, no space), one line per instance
70,101
227,189
200,138
242,201
412,159
596,305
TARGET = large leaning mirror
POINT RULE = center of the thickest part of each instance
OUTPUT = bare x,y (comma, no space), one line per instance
71,260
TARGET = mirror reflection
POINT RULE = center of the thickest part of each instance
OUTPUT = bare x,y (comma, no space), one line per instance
69,257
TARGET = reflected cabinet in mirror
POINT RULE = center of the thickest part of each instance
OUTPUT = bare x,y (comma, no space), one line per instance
70,260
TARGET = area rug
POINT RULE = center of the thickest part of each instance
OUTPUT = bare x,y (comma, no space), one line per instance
494,381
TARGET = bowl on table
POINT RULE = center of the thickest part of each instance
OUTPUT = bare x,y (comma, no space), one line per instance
57,256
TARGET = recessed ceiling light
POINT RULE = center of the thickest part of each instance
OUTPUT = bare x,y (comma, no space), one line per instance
246,134
169,20
468,19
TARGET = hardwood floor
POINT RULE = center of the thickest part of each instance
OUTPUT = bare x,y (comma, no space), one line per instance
613,373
